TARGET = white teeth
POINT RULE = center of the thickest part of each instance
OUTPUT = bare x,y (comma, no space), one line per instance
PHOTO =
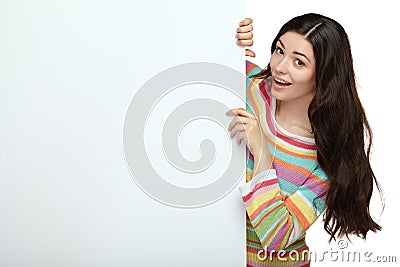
281,81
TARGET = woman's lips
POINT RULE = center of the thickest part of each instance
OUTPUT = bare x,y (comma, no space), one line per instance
279,83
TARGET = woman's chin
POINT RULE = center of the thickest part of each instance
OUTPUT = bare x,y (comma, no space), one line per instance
277,94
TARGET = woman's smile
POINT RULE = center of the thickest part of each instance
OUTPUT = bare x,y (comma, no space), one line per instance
280,83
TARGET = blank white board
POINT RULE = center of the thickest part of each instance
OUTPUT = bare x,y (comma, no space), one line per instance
70,71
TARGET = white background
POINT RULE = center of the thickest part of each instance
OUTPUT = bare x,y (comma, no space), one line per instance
372,27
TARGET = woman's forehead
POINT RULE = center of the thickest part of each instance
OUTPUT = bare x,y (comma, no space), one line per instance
297,43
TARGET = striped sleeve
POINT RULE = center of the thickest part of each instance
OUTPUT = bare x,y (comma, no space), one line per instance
251,69
277,220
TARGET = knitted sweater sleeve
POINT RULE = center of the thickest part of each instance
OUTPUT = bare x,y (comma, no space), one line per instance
277,220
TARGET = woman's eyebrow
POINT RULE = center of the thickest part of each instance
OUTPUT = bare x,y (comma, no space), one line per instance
295,52
301,54
279,40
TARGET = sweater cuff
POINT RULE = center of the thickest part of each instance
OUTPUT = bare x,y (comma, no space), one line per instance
263,176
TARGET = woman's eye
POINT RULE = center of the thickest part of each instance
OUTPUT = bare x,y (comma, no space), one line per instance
299,63
279,50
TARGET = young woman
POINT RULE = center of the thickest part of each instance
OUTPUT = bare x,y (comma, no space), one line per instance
308,142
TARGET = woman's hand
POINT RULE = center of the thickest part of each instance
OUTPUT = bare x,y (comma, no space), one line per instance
244,35
246,128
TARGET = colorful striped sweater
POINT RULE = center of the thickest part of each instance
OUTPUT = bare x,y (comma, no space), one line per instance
284,201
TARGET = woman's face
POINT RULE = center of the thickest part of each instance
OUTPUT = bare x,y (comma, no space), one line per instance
293,68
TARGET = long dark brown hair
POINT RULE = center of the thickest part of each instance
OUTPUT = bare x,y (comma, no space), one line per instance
341,130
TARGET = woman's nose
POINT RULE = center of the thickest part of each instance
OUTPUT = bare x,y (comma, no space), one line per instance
281,65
